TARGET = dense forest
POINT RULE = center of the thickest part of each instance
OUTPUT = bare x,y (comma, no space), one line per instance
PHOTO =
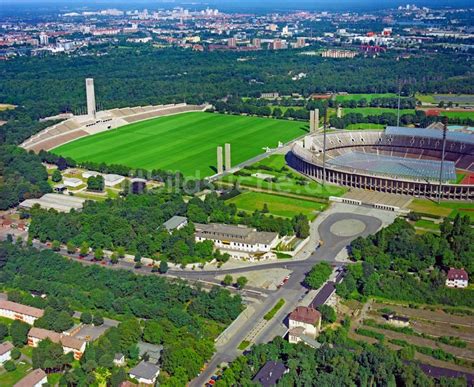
134,223
46,86
343,363
22,176
396,255
183,319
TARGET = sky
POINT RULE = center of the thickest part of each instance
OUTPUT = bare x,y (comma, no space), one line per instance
230,5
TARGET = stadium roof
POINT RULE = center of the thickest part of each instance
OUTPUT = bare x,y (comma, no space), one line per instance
467,138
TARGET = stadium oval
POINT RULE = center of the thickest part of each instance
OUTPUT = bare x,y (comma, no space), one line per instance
398,160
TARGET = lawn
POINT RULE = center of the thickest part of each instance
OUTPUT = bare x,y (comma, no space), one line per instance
460,115
277,205
444,209
287,181
372,111
364,126
368,97
185,142
427,224
10,378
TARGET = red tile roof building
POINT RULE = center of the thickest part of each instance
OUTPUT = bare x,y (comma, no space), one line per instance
457,278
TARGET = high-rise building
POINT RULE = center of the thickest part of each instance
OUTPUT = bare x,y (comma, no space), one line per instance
300,42
256,42
90,94
44,39
232,42
277,44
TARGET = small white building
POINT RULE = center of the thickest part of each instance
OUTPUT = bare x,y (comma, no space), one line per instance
239,242
72,182
175,223
303,321
88,174
111,180
15,311
35,378
5,351
145,373
119,359
457,278
398,321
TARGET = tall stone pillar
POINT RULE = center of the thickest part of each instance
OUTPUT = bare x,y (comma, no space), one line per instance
220,167
228,158
311,121
90,94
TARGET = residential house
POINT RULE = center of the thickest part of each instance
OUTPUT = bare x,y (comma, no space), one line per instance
15,311
175,223
270,374
303,321
5,351
69,343
457,278
35,378
145,373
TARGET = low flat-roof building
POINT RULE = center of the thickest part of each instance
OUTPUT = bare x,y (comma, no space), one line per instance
35,378
175,223
457,278
58,202
5,351
69,343
303,321
270,373
88,174
15,311
145,373
111,179
72,182
239,242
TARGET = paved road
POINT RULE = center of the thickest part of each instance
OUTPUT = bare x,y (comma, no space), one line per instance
291,292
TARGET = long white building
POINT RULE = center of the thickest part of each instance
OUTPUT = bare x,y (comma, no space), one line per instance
239,242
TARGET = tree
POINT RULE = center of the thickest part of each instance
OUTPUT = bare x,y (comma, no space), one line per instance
84,249
19,333
9,366
86,317
120,252
50,356
241,282
15,354
71,247
98,254
3,331
95,183
97,320
55,246
56,176
163,266
137,258
318,275
153,332
227,281
114,258
328,314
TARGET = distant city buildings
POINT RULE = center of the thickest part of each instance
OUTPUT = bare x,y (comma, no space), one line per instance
338,54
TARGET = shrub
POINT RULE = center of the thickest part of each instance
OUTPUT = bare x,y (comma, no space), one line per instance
9,365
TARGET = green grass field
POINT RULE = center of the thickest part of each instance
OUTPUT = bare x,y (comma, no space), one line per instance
461,115
369,111
185,142
444,209
277,205
368,97
10,378
364,126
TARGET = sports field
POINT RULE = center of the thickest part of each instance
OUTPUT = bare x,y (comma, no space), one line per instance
368,97
185,142
371,111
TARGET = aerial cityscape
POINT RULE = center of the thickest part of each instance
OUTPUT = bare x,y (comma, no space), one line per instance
236,193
